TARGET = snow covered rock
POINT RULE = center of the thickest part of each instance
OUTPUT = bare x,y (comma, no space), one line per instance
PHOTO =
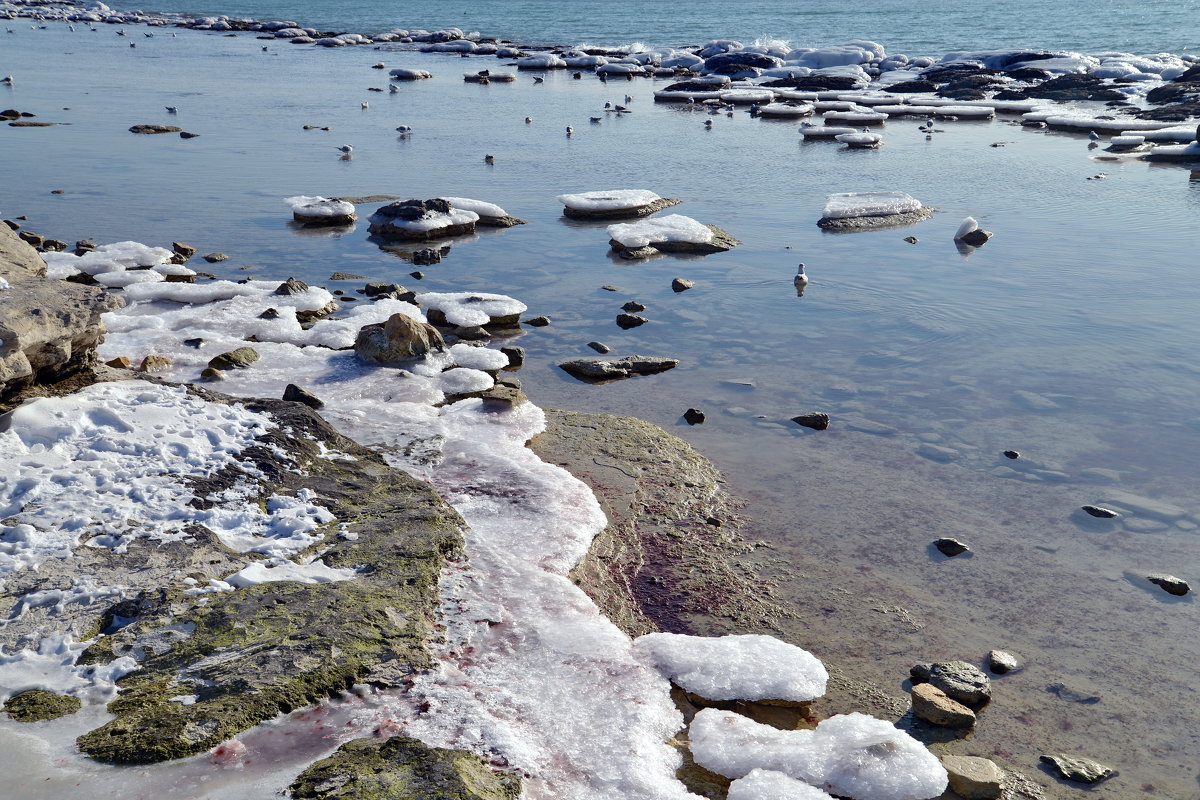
746,667
471,309
865,210
614,204
673,233
421,220
320,210
490,214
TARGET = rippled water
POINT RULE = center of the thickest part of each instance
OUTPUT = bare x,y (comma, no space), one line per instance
1070,336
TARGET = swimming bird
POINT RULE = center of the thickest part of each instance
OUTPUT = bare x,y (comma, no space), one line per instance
620,109
708,124
120,33
596,119
628,99
489,159
570,130
529,120
131,44
1093,135
801,280
538,80
7,79
172,109
404,129
379,65
264,48
365,106
148,35
347,149
392,89
608,106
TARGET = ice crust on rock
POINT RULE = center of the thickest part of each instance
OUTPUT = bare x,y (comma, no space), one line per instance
462,380
766,784
851,205
281,570
739,667
468,309
966,226
107,258
484,358
477,206
608,201
432,220
51,667
671,228
849,755
316,206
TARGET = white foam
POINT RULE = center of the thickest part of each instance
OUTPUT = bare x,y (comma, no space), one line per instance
747,667
315,206
851,755
765,784
671,228
617,199
850,205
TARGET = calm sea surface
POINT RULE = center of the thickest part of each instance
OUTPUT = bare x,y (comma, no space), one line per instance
917,28
1070,337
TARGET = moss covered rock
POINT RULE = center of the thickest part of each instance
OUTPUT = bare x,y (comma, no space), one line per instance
37,704
400,768
252,653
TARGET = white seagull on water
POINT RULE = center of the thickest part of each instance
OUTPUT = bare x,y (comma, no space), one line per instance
346,149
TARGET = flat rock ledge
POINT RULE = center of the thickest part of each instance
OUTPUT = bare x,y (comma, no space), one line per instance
719,243
622,213
400,767
603,370
257,651
875,222
49,329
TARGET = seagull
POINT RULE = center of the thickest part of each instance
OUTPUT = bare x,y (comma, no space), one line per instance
379,65
172,109
346,149
264,48
628,99
596,119
489,159
529,120
570,130
365,106
538,80
148,35
1093,135
131,44
404,129
7,79
392,89
708,124
801,280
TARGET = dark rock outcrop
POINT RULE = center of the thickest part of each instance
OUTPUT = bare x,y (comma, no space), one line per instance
601,370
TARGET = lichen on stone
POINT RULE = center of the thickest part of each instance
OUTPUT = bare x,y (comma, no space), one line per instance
37,704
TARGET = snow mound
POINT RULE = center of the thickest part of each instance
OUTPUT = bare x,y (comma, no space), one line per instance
745,667
468,309
476,206
766,784
315,206
608,200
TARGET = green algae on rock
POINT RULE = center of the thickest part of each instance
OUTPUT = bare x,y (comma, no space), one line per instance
400,768
252,653
37,704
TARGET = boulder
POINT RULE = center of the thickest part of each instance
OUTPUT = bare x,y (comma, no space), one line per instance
421,220
681,285
49,329
240,358
1002,662
399,339
817,420
974,778
609,369
1170,584
298,395
961,681
951,547
933,705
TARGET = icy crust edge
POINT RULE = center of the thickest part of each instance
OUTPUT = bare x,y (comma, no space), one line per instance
276,641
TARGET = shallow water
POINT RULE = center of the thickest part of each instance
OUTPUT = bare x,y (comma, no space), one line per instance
1085,298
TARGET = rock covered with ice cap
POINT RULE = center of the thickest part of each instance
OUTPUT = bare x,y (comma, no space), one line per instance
766,784
614,204
316,210
856,210
471,309
744,667
418,220
673,233
850,755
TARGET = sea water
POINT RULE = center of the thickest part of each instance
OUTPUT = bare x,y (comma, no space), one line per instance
1069,337
918,28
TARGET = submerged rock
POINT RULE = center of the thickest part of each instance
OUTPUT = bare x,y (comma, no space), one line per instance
933,705
1002,662
606,369
816,420
155,129
961,681
974,778
1078,768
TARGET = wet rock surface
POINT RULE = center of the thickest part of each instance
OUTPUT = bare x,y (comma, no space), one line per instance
1077,768
961,681
600,370
37,704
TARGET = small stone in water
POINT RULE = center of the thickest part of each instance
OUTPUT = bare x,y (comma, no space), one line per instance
633,306
1011,454
196,343
537,322
611,288
1077,768
951,547
600,347
418,275
681,285
911,239
1101,512
516,356
693,417
1002,662
627,321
